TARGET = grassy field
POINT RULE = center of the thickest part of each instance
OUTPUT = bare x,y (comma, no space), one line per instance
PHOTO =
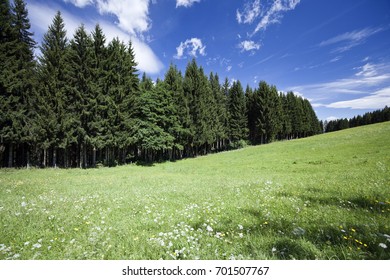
324,197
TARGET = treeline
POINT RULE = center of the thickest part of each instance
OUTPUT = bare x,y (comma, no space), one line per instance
368,118
82,103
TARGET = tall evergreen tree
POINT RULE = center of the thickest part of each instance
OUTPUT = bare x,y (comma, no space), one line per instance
80,97
16,80
237,113
52,118
181,130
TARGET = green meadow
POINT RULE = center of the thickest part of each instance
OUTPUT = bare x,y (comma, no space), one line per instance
323,197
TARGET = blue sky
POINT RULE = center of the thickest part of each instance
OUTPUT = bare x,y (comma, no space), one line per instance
334,53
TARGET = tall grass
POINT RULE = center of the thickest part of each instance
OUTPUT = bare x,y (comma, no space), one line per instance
324,197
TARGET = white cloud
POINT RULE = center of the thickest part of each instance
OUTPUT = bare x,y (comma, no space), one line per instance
80,3
371,83
376,100
250,13
41,16
275,13
132,14
351,39
248,45
368,70
332,118
185,3
228,68
192,47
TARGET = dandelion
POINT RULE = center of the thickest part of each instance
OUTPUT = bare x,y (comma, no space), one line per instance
383,245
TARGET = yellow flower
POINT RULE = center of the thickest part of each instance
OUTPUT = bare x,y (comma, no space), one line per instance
345,237
353,230
76,229
266,223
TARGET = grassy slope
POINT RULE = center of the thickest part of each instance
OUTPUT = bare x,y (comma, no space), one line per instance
322,197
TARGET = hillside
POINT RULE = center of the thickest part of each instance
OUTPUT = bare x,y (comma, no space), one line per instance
323,197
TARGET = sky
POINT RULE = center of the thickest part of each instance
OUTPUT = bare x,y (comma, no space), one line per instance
334,53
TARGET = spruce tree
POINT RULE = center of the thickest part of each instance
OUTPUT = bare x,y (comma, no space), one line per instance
181,130
237,113
52,119
16,81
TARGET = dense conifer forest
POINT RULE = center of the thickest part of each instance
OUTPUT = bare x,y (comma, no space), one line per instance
82,103
376,116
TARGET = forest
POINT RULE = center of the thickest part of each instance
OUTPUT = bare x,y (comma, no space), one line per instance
376,116
82,103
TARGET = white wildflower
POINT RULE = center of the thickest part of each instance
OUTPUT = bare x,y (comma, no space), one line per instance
209,229
240,227
240,235
383,245
24,204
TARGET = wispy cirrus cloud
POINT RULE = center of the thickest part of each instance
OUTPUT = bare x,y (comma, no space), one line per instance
248,45
375,100
275,13
185,3
191,47
348,40
371,83
79,3
250,12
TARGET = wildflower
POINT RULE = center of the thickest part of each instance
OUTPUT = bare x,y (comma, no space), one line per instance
36,246
209,229
266,223
353,230
240,235
345,237
274,249
16,256
26,243
76,229
24,204
240,227
383,245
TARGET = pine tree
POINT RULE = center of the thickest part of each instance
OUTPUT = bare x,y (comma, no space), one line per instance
220,112
16,80
80,99
237,113
98,124
181,130
52,107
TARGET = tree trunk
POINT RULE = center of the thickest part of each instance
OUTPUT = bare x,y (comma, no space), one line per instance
10,155
55,157
94,157
44,157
